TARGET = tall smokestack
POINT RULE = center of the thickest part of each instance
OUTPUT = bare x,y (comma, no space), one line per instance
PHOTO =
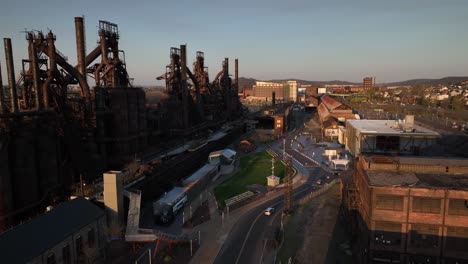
236,74
273,98
2,98
35,70
80,45
11,75
183,73
226,68
227,85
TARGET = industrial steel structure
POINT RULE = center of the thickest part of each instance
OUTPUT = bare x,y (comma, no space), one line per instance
56,126
194,103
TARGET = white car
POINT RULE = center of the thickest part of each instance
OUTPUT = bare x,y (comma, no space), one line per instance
269,211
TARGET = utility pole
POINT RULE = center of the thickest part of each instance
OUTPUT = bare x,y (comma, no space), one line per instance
288,175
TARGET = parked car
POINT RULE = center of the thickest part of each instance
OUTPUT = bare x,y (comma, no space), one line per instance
319,182
269,211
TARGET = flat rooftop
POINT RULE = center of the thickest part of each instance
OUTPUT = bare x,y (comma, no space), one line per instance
417,160
418,180
171,196
389,127
25,242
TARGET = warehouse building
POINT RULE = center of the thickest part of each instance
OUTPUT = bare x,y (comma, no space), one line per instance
71,233
408,209
331,113
388,137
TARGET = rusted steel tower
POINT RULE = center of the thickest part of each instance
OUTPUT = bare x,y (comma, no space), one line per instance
288,182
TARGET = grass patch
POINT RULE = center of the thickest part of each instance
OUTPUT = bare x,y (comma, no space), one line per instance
254,169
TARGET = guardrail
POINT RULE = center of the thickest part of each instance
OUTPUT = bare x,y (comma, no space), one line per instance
238,198
318,192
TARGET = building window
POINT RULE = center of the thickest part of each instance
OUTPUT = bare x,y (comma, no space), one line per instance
387,143
387,233
66,256
426,205
278,126
51,259
424,236
389,202
458,207
91,238
457,238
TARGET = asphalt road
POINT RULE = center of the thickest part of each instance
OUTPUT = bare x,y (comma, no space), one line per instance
250,228
246,240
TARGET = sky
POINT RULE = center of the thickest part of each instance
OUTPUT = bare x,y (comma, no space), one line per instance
273,39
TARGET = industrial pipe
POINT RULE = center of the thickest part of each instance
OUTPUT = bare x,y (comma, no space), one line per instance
35,70
227,87
226,67
183,73
92,56
103,46
11,75
115,62
183,61
80,45
2,98
236,75
73,72
52,69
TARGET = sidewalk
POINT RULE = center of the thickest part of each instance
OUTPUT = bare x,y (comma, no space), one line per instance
215,231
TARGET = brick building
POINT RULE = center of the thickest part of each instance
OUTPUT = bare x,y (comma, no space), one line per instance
285,91
368,83
408,209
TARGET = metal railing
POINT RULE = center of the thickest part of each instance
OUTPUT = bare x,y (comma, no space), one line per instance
238,198
318,192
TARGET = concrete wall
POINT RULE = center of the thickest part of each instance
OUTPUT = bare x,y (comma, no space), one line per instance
30,165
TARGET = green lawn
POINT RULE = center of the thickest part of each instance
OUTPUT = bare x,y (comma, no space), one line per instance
254,169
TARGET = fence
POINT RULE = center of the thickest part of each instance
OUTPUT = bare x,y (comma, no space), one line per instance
238,198
318,192
145,257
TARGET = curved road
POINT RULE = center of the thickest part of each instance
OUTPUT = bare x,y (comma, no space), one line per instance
246,240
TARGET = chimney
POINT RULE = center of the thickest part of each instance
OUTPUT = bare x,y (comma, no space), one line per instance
2,98
11,74
80,45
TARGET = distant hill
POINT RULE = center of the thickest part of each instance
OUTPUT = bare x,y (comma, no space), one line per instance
441,81
248,82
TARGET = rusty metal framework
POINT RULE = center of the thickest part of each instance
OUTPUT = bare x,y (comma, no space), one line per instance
48,116
56,123
194,103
